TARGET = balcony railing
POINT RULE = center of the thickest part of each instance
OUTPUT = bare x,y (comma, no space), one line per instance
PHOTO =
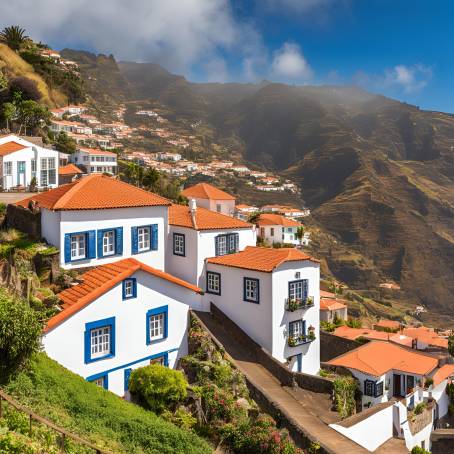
293,304
294,341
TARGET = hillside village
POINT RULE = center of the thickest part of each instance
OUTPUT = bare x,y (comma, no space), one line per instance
146,278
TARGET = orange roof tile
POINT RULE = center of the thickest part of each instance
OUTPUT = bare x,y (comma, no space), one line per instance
325,294
101,279
10,147
276,219
443,373
391,324
69,169
261,258
94,151
376,358
427,336
95,192
354,333
330,304
206,191
180,215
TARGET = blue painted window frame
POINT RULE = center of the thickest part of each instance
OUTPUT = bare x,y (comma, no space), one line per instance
118,241
87,338
232,243
305,287
219,276
134,288
135,238
156,311
102,375
90,245
250,300
127,375
303,326
182,235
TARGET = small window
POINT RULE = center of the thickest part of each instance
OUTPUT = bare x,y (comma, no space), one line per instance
8,168
218,207
227,244
159,360
271,231
369,388
298,289
129,288
295,329
78,246
143,238
100,342
33,165
213,283
178,244
102,381
108,243
251,290
378,389
156,324
222,245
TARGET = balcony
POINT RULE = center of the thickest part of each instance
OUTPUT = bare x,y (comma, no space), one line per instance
293,304
295,341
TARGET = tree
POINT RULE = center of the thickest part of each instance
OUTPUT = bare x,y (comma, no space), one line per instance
14,37
451,344
9,113
300,233
20,334
158,387
32,115
26,87
64,143
3,82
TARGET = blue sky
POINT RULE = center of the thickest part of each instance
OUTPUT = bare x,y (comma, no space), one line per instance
399,48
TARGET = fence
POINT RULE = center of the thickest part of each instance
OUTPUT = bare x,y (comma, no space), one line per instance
64,434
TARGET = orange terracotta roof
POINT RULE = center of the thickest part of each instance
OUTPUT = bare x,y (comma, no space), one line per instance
443,373
427,336
276,219
330,304
325,294
206,191
391,324
69,169
94,151
354,333
260,258
376,358
10,147
180,215
95,192
101,279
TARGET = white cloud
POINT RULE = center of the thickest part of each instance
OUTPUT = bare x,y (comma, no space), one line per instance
289,64
300,6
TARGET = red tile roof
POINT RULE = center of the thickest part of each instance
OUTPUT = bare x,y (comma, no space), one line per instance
376,358
180,215
276,219
95,192
94,151
330,304
206,191
101,279
10,147
260,258
443,373
325,294
390,324
69,169
427,336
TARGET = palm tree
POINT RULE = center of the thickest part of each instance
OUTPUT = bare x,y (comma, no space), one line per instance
14,37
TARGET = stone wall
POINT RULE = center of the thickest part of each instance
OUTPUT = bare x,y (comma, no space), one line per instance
332,346
280,371
24,220
442,441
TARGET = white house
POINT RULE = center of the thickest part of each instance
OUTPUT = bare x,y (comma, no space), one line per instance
98,219
211,198
243,211
196,234
21,161
272,295
122,316
332,308
274,228
95,161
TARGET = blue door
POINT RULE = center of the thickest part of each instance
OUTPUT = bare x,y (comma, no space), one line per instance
21,173
127,375
299,362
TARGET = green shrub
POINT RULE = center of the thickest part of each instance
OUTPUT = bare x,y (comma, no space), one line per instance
181,418
354,323
327,326
158,387
420,408
20,332
428,381
344,395
2,209
419,450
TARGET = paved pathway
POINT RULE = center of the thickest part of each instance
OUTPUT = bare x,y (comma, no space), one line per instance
11,197
307,416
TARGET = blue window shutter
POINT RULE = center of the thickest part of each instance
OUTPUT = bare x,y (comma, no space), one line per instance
87,346
134,241
154,237
100,235
304,327
91,240
112,337
237,242
106,381
216,245
119,240
305,282
123,289
166,323
166,359
67,248
134,288
127,375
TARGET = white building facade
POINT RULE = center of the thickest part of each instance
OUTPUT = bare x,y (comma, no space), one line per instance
274,228
95,161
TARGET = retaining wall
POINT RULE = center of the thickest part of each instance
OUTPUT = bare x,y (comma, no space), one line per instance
23,219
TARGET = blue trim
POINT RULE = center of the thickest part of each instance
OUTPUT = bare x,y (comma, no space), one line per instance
304,290
134,241
154,237
114,369
135,238
159,310
127,374
299,361
90,245
103,375
134,288
257,301
184,244
87,345
118,241
229,239
207,289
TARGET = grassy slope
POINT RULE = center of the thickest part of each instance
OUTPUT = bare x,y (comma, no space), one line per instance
13,65
96,414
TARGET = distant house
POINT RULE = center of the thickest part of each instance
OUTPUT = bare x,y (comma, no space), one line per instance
274,228
92,160
387,325
67,173
273,295
122,316
243,211
371,334
211,198
426,338
332,309
22,161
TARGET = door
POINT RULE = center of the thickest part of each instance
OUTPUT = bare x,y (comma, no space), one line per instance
21,173
127,373
299,362
397,392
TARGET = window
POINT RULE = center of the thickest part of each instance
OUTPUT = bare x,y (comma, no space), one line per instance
33,165
271,231
99,382
251,290
378,389
8,168
78,246
369,386
298,289
156,324
218,207
290,230
226,244
48,171
178,244
159,360
108,243
129,288
92,169
296,329
143,238
99,340
213,283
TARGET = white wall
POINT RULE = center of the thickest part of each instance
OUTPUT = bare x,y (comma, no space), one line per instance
65,343
84,220
438,393
281,234
50,226
371,432
281,277
227,206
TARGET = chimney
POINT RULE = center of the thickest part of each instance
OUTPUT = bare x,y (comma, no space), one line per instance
193,208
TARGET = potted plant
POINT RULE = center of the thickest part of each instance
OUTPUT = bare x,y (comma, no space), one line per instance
311,335
292,304
291,341
310,301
